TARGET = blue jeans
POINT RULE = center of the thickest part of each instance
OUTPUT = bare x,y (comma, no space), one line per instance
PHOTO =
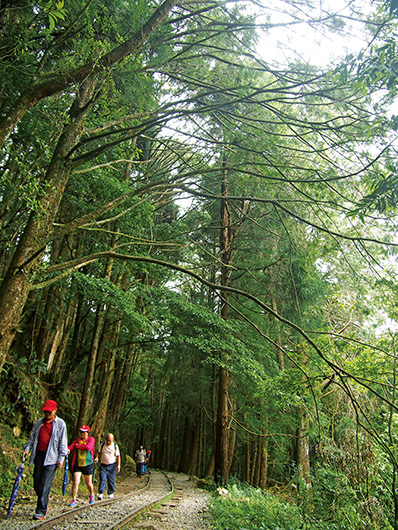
43,477
107,472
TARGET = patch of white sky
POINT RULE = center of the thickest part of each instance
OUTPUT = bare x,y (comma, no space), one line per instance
305,31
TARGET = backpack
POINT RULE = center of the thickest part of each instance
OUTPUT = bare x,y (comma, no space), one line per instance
102,446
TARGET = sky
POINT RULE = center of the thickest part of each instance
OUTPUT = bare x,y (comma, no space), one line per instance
310,42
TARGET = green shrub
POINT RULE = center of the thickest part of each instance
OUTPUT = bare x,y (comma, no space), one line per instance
10,457
245,508
334,506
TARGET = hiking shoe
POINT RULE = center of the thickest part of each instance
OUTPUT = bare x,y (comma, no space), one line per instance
99,496
91,501
73,503
111,496
39,516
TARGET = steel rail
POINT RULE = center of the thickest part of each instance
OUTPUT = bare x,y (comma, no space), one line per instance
132,515
49,523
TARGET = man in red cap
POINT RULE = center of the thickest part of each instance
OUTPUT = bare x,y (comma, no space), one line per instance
49,445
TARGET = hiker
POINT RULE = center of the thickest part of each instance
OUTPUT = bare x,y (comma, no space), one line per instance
48,442
147,458
139,460
109,458
82,463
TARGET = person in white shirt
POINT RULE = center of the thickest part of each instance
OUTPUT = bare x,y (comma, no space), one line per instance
109,458
139,460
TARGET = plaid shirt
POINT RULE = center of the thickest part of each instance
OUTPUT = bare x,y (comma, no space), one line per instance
57,447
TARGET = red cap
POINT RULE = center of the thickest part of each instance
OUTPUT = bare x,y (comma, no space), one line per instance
84,428
49,405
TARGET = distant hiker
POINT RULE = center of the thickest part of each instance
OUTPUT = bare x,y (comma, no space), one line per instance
109,458
147,458
82,463
144,464
139,460
48,442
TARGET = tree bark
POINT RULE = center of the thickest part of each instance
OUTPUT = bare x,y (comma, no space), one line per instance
303,450
57,83
221,466
14,288
264,460
88,388
98,424
124,369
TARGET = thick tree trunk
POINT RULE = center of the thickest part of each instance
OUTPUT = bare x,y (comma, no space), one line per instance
303,441
124,370
104,394
248,460
65,81
14,288
88,388
222,431
303,450
161,445
221,466
210,465
68,324
73,356
187,440
193,459
231,448
254,466
264,460
44,316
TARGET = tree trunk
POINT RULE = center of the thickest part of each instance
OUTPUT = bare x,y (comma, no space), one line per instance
264,460
279,349
187,441
64,81
88,388
254,466
210,465
248,460
231,448
75,344
222,432
303,441
108,373
120,385
14,288
303,450
68,326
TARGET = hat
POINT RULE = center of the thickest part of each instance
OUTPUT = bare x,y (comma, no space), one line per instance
84,428
49,405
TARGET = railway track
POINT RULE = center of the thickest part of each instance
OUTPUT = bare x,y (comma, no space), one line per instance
103,515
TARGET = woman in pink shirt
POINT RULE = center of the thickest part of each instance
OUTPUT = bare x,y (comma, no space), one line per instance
82,463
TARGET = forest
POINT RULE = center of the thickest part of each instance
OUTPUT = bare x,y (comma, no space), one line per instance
198,240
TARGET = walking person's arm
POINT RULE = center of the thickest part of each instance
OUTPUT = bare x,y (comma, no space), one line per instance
62,445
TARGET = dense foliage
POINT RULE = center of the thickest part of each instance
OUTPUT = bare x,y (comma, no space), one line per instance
197,247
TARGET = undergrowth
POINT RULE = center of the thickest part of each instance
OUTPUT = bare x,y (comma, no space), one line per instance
242,507
11,448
